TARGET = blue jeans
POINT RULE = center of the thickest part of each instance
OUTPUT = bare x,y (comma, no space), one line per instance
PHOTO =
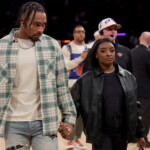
22,135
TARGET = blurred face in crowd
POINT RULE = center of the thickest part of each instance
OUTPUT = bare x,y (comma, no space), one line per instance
79,34
33,28
105,54
110,32
98,36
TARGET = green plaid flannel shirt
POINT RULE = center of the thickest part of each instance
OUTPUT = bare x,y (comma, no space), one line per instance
52,77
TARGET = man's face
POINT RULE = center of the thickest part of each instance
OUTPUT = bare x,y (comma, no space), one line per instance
79,34
110,32
37,27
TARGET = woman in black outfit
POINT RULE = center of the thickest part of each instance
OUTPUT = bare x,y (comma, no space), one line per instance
106,99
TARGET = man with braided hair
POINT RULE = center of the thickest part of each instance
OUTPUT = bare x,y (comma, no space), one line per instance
33,82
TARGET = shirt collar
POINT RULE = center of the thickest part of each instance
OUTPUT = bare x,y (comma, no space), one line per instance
144,44
98,71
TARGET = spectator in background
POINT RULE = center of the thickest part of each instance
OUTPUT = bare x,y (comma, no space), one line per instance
134,41
74,54
141,70
33,84
108,29
96,37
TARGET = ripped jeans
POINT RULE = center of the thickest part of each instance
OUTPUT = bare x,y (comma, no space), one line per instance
23,135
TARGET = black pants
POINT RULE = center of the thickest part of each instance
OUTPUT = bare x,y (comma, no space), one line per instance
111,143
145,105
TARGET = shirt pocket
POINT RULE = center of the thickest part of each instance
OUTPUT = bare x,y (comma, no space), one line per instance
3,73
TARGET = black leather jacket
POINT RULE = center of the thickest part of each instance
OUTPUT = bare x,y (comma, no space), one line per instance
87,95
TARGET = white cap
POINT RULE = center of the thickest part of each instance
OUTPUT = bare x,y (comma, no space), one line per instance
105,23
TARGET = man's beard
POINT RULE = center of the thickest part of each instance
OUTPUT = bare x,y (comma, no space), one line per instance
33,39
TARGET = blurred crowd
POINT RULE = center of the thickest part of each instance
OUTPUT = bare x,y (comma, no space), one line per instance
63,15
110,102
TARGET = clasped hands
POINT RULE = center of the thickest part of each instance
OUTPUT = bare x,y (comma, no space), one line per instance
65,129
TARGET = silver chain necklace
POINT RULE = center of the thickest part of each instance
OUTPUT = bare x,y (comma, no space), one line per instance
22,46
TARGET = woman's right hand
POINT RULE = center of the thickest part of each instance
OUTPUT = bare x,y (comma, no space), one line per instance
141,143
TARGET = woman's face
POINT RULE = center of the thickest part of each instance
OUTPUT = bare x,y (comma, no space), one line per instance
105,53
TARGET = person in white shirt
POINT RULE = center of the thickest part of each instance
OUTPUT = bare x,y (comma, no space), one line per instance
74,54
96,37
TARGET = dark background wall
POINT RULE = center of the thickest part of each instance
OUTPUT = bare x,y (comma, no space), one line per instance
63,15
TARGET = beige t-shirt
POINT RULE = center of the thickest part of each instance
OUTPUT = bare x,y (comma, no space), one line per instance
25,99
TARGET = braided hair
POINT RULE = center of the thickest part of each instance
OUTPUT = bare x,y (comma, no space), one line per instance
27,9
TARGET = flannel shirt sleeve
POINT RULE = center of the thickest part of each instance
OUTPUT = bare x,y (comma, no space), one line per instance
65,102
